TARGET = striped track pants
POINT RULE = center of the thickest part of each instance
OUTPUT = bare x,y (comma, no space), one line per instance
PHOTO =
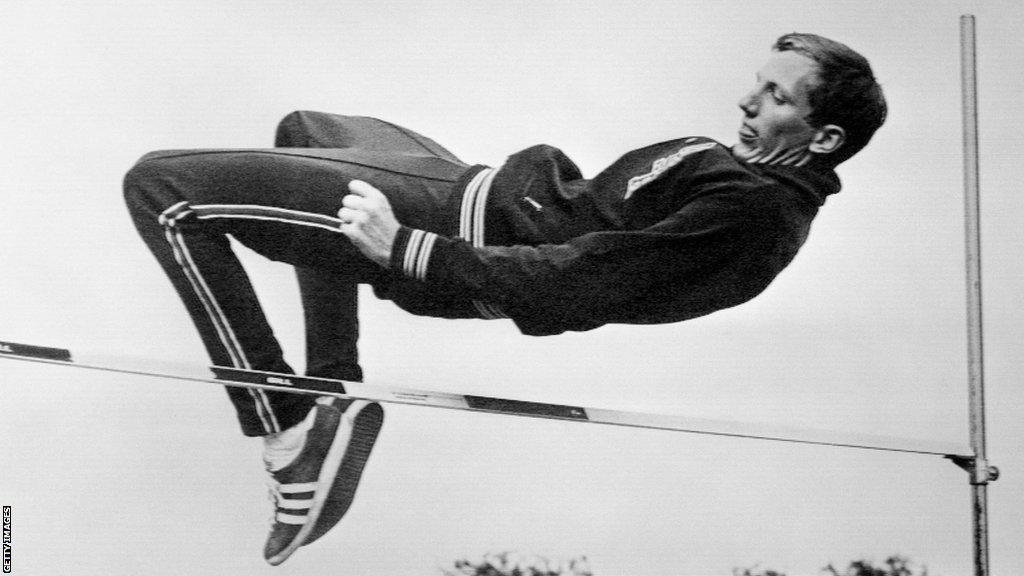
282,203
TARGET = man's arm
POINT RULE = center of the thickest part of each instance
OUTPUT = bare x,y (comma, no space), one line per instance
714,253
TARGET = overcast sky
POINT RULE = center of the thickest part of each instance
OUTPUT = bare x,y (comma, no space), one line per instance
864,332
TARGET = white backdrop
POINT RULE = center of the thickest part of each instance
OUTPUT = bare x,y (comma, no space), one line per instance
864,332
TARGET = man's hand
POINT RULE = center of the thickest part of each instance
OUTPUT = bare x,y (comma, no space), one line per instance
367,220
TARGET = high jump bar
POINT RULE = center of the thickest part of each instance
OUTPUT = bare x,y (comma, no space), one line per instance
254,379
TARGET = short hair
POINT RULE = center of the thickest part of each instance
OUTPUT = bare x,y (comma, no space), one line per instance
846,94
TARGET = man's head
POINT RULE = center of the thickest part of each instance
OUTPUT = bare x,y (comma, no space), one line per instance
814,99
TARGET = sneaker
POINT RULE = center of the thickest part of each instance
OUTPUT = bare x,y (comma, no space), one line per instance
312,493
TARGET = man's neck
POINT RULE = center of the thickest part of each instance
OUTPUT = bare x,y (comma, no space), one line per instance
798,156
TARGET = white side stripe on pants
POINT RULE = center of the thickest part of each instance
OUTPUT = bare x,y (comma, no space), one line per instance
202,289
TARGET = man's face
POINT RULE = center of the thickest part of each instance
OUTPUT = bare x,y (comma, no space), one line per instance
775,126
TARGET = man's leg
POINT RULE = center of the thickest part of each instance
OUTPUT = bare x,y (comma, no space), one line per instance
306,129
185,204
218,296
329,300
315,456
283,205
330,305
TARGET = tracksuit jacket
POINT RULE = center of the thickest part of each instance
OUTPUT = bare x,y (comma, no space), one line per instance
667,233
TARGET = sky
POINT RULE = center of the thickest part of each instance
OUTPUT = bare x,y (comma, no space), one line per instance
865,332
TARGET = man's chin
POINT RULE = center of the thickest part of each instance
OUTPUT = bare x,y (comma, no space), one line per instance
742,152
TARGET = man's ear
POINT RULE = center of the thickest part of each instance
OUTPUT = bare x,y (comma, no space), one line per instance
827,139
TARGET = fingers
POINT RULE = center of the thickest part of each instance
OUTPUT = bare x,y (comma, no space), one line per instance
354,204
362,196
363,189
363,203
351,216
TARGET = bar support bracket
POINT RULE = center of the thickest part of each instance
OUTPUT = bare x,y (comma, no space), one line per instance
980,470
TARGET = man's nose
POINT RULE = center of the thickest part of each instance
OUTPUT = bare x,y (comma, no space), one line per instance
749,103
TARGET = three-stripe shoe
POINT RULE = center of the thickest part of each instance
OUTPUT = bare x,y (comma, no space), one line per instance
313,492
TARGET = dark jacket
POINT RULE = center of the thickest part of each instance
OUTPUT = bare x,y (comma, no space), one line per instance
668,232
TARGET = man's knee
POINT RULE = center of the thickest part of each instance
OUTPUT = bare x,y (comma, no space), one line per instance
310,129
292,130
144,183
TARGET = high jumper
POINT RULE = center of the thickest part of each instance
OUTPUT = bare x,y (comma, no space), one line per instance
669,232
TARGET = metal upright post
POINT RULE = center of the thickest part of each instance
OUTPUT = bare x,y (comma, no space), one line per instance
979,469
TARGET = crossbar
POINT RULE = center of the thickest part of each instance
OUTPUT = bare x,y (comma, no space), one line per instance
466,402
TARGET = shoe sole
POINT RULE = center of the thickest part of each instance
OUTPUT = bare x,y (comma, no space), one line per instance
366,425
341,470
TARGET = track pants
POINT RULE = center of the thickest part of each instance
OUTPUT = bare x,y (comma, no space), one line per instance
281,203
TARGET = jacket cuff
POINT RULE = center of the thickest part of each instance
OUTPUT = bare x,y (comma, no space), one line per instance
411,253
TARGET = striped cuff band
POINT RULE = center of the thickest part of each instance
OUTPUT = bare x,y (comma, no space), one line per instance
417,254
